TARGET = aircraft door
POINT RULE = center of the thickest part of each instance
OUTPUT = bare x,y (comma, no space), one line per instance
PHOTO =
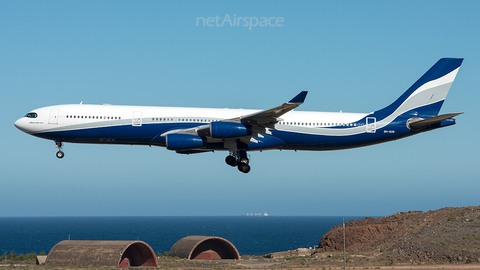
53,117
371,125
137,119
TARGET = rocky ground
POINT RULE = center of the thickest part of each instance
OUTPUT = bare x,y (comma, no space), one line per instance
448,236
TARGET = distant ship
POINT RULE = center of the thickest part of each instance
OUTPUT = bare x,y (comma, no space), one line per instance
255,215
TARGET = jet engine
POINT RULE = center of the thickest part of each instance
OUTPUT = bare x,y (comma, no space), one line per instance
184,141
229,130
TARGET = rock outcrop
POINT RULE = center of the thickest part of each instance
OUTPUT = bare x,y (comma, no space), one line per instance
444,235
356,234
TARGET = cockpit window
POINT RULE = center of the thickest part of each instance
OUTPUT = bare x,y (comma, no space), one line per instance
31,115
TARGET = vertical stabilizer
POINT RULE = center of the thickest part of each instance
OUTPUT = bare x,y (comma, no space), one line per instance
426,96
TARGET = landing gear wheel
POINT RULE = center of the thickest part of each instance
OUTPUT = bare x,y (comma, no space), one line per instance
244,168
59,145
231,160
243,161
60,154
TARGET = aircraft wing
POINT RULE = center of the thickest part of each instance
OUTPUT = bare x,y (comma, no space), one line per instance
269,117
200,131
259,121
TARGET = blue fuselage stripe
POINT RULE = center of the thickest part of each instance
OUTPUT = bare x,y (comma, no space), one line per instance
150,134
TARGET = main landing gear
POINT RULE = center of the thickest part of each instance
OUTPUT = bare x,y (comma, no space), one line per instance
60,153
240,160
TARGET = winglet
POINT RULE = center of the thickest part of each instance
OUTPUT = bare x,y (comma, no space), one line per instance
299,98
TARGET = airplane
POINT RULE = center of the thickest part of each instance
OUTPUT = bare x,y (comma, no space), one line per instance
198,130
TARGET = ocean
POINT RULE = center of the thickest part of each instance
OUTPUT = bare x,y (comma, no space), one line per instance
250,235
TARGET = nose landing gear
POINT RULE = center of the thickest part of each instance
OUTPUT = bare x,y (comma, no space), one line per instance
240,160
60,153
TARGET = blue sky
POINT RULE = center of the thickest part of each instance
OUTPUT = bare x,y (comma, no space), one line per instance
355,56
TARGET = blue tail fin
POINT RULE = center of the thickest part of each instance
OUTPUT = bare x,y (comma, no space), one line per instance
426,96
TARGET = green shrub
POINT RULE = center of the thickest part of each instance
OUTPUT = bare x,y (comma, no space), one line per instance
20,257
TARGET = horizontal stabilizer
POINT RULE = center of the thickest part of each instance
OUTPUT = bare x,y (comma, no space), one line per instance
422,124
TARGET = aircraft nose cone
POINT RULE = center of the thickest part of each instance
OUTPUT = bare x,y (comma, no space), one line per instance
20,124
17,123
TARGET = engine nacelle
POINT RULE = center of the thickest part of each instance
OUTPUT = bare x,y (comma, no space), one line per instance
229,130
184,141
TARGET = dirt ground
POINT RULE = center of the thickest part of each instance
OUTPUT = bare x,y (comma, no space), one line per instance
407,267
264,266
